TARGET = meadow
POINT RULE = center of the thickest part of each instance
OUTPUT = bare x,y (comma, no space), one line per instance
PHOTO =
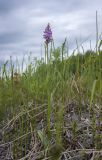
53,109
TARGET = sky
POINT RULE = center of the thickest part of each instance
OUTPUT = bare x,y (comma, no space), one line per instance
22,23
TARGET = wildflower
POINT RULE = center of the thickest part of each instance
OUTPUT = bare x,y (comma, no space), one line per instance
48,34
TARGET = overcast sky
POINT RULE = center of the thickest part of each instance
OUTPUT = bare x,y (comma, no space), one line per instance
22,23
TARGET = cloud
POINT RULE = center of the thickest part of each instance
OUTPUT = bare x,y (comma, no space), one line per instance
22,23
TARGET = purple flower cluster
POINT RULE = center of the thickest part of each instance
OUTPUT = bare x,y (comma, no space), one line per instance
48,34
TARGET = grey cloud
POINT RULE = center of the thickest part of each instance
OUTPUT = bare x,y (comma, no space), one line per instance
22,23
11,37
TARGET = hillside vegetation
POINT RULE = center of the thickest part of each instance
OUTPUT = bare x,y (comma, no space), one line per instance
53,109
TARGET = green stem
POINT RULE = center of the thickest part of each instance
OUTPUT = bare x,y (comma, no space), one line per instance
47,53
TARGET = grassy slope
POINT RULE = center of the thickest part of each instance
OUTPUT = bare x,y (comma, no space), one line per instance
54,101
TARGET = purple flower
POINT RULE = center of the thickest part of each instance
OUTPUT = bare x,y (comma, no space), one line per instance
48,34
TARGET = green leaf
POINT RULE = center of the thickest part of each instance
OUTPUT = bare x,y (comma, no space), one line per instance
43,138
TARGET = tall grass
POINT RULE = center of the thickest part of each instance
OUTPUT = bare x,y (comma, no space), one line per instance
34,102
